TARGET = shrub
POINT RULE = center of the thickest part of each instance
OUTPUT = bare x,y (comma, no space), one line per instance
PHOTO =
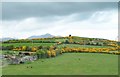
9,47
40,47
48,54
24,48
53,53
57,51
34,49
38,53
43,54
46,47
28,48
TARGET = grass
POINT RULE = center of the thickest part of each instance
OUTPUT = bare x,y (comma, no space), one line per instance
28,44
68,64
0,52
82,46
0,64
49,44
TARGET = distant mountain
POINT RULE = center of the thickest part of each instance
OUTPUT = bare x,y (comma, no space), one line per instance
6,39
42,36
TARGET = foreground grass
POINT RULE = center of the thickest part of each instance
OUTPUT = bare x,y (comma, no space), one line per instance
68,64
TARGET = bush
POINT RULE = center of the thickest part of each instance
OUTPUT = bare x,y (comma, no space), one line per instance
28,48
38,53
34,49
48,54
46,47
53,53
66,42
24,48
43,54
57,51
7,47
40,47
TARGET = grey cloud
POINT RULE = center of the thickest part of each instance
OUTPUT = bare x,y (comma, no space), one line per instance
22,10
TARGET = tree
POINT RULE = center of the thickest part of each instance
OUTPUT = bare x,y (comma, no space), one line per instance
66,41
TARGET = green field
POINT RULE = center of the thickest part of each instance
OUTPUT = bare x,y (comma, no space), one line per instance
68,64
82,46
28,44
50,44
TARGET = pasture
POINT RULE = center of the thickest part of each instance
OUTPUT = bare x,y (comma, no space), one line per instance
82,46
27,44
68,64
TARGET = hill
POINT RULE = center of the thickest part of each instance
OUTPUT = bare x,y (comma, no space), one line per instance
47,35
6,39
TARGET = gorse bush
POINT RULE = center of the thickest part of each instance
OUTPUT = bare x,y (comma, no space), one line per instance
91,50
48,54
34,49
53,53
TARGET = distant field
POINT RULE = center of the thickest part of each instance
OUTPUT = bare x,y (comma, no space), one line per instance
50,44
28,44
68,64
82,46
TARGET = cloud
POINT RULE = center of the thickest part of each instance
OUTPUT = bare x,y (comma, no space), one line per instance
101,24
23,10
85,19
59,0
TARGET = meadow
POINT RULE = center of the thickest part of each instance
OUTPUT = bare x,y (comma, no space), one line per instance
68,64
51,44
28,44
82,46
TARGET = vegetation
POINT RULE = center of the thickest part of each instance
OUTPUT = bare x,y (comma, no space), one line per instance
80,55
82,46
68,64
27,44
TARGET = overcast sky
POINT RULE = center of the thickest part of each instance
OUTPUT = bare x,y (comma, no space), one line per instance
85,19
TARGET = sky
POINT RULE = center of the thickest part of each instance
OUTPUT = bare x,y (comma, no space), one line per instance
84,19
